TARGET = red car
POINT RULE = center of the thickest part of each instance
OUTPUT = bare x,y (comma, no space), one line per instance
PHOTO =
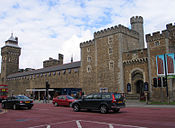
63,100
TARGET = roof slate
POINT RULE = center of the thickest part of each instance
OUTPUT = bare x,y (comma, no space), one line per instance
46,70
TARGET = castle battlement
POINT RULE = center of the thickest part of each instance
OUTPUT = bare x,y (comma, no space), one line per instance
116,29
136,19
157,36
160,35
87,43
170,26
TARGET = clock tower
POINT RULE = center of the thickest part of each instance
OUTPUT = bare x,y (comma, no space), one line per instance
10,57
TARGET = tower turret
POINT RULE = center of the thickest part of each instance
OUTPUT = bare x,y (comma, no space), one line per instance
10,57
137,25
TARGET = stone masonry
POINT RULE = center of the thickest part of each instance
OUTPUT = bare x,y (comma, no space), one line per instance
114,58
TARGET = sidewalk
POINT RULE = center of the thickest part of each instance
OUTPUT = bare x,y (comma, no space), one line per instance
136,103
41,102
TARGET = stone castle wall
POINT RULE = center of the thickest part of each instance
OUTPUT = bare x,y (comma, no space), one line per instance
108,62
10,60
136,60
106,58
160,43
88,67
59,79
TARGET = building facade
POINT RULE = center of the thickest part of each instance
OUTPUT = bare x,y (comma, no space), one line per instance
114,58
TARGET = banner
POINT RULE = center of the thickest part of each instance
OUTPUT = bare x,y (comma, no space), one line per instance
170,63
160,65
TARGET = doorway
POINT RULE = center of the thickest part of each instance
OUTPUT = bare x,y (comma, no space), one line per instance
140,89
137,83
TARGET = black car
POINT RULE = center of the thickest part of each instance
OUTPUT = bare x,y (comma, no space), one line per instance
16,102
100,101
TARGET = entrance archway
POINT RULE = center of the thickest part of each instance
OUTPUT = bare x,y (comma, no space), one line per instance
140,88
137,83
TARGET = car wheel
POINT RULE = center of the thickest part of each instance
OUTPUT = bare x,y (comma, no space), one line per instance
56,104
76,108
70,104
89,110
116,110
14,107
29,107
3,105
103,109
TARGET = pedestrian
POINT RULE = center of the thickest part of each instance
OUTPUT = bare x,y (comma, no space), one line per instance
45,99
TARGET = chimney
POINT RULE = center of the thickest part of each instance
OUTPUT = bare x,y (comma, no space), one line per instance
60,58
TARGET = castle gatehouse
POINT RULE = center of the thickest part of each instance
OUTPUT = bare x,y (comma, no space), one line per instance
115,60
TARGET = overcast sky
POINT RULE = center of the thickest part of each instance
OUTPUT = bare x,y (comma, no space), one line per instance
47,27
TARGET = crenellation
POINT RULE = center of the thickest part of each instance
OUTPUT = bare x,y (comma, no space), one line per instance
87,43
116,29
169,26
136,19
115,57
157,36
156,33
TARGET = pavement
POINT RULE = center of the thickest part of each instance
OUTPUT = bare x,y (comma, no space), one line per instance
136,103
43,102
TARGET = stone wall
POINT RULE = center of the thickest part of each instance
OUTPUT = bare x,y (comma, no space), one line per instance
88,67
106,64
60,79
136,60
160,43
10,60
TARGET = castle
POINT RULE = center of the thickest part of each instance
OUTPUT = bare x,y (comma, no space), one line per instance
115,58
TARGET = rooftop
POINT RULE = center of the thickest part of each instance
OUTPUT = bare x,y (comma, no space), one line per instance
48,69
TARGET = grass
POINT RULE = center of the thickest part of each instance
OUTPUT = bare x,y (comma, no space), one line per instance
158,103
162,103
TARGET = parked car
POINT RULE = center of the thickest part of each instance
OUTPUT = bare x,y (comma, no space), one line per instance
63,100
16,102
100,101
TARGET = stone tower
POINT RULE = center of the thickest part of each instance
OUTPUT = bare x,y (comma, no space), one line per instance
102,57
137,25
10,57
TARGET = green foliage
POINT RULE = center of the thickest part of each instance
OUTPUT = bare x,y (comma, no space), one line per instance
162,103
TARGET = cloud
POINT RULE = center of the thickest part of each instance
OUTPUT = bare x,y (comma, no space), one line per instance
48,27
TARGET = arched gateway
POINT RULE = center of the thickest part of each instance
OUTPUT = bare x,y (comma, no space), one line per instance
137,82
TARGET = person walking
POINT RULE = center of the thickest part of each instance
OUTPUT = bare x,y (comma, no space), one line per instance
45,99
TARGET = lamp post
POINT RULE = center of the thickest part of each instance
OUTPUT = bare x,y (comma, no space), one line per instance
47,90
166,77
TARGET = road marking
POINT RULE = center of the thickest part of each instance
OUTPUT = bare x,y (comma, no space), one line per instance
48,126
111,126
52,124
3,111
78,123
124,125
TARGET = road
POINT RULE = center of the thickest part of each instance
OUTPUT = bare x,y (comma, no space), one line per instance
48,116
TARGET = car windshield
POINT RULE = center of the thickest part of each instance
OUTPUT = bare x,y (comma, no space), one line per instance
22,97
70,97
